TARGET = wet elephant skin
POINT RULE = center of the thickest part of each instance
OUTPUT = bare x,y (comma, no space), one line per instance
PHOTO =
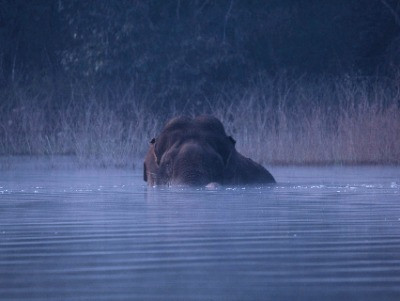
197,152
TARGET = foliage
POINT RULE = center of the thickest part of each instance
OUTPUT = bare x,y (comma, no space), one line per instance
97,78
278,121
191,49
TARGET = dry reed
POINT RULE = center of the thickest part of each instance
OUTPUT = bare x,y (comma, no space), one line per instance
347,122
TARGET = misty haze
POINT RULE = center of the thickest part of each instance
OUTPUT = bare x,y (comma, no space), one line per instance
309,91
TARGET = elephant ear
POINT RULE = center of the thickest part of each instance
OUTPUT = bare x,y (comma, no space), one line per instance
150,163
153,148
231,150
144,172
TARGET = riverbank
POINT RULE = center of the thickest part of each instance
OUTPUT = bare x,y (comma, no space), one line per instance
54,163
347,122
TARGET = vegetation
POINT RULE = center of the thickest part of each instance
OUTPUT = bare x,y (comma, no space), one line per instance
293,82
276,122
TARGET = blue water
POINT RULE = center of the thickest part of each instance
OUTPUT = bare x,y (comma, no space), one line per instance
320,234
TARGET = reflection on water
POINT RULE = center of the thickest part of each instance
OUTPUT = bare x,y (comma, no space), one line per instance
319,234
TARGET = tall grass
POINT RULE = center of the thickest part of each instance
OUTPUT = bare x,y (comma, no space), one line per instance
347,122
363,134
278,121
92,132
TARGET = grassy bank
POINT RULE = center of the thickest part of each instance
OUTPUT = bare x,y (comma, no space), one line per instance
349,121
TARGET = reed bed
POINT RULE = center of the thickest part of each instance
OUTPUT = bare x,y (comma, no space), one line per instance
364,134
275,122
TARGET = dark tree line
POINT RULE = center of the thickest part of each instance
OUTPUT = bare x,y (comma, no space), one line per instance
192,48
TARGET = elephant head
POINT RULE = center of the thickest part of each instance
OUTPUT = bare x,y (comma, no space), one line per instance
188,152
196,152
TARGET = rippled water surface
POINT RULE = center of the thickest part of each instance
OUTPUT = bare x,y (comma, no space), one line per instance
319,234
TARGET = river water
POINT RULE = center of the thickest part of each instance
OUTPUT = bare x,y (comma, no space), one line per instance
319,234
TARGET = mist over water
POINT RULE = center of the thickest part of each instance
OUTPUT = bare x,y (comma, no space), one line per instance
319,234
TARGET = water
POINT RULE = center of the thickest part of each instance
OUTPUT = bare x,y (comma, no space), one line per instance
319,234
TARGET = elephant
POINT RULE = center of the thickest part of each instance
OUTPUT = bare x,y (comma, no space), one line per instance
198,152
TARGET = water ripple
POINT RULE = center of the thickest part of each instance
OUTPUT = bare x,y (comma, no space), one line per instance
105,236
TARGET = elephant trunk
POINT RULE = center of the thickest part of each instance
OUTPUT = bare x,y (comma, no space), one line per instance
197,165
